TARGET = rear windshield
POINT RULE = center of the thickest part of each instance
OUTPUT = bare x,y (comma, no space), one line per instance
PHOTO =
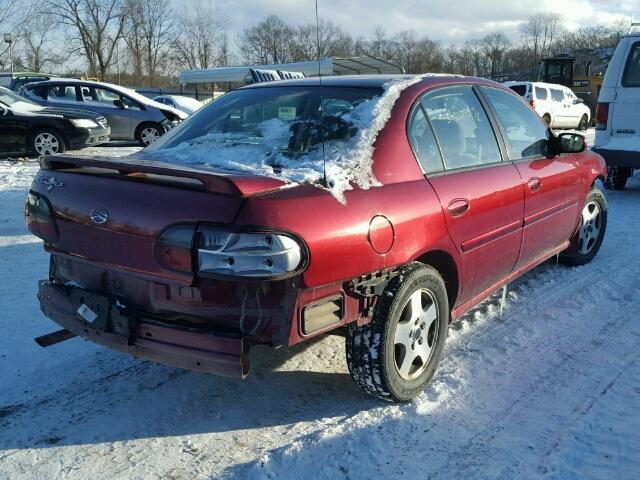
275,124
631,76
519,89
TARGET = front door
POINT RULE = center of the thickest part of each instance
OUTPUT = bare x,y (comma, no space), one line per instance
552,185
101,100
13,132
481,195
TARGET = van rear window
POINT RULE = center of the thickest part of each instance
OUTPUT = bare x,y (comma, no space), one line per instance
519,89
631,77
541,93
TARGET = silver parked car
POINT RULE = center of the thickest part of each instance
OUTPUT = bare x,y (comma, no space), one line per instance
186,104
131,116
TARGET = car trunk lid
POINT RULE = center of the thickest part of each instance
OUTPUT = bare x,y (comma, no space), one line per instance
111,212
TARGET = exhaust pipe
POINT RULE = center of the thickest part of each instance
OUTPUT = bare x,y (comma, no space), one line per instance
54,337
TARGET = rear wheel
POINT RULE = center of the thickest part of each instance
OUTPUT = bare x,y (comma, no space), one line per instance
593,224
46,142
617,178
148,133
584,123
395,356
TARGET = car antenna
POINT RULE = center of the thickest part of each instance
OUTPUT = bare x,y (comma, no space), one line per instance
324,160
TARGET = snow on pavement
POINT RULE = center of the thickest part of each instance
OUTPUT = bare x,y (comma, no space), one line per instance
551,390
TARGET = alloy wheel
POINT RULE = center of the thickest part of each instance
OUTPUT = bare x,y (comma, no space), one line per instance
149,135
590,228
46,144
415,334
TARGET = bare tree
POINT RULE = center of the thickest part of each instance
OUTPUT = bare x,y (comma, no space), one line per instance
38,50
267,42
323,40
494,46
201,39
539,34
96,26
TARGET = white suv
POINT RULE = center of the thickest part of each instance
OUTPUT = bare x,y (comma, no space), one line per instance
556,104
618,114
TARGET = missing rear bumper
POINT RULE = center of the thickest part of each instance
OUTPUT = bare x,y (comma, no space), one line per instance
107,324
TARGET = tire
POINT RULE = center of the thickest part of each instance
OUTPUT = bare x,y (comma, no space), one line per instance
46,141
147,133
377,352
593,225
547,118
617,178
584,123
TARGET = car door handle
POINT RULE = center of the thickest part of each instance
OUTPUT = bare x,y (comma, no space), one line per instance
534,184
458,207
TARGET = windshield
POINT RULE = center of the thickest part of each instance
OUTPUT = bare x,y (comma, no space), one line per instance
17,103
9,98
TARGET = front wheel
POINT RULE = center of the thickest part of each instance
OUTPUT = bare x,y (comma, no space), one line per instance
593,224
46,142
395,356
584,123
148,133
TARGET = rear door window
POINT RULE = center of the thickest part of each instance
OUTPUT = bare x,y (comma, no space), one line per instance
557,95
462,127
527,133
423,142
631,76
541,93
61,93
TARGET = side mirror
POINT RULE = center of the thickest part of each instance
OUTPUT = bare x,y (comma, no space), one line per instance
118,103
570,143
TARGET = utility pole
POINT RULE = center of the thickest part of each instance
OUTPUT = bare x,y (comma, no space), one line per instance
8,38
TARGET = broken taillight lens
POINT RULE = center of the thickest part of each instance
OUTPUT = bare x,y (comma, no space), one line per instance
174,248
40,218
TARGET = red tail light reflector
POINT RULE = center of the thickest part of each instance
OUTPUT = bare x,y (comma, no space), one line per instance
40,218
602,116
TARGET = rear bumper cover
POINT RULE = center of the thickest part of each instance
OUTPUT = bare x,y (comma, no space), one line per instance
619,158
126,332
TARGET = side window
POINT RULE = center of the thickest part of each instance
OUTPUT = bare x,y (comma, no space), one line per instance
631,77
526,131
62,93
462,127
557,95
541,93
131,104
106,96
423,142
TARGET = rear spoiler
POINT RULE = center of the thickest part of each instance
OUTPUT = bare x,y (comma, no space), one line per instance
146,170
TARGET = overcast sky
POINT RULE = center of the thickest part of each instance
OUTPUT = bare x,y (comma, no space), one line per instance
449,21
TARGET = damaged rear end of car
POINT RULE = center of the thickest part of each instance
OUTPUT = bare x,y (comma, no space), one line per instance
147,259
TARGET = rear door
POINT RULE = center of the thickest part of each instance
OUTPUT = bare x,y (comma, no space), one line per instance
552,186
481,195
625,120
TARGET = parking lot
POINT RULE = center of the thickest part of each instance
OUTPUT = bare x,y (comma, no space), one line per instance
547,390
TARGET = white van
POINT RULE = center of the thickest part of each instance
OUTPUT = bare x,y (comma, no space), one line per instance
618,114
556,104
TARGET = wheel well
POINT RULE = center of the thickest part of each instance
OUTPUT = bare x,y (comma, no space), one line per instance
599,177
447,268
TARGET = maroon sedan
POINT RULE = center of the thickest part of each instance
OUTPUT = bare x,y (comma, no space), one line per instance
378,207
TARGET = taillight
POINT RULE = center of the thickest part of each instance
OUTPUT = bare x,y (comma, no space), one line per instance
252,254
532,104
602,116
220,252
39,217
174,249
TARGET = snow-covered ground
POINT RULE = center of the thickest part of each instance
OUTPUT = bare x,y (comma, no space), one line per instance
551,390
